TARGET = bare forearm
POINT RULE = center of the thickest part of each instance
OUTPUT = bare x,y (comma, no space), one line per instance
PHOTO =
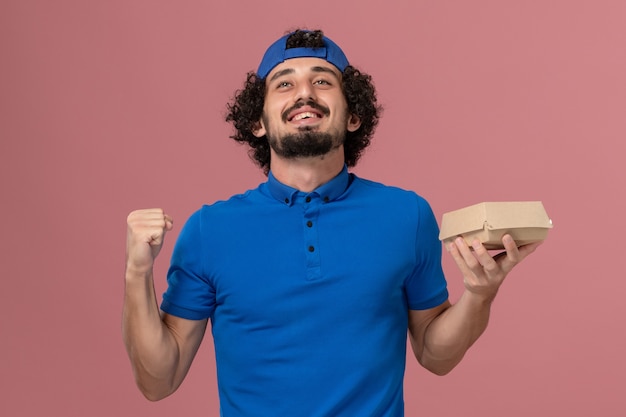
451,334
151,347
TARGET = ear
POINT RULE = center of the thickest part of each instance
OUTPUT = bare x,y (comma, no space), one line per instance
258,129
354,122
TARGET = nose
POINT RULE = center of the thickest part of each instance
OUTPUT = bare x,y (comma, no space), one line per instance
304,92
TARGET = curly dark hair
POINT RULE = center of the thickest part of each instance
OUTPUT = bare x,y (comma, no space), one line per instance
246,109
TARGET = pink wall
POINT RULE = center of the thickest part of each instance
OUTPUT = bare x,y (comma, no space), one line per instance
107,106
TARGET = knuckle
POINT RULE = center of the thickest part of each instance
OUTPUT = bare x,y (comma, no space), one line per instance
473,264
492,269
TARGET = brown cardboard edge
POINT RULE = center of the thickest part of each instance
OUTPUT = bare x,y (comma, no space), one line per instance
492,239
493,216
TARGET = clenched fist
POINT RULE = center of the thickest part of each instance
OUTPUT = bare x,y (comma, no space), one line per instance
144,239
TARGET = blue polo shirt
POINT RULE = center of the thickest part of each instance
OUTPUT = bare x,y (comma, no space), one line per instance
308,294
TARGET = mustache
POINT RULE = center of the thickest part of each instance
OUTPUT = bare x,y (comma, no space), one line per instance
324,110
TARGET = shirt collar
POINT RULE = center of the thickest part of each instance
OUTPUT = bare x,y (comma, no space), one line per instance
328,192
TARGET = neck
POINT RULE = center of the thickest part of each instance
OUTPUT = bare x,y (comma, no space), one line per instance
306,174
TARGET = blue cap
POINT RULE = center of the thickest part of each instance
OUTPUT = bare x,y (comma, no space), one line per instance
278,53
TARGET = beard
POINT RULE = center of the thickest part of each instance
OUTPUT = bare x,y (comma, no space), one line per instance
307,142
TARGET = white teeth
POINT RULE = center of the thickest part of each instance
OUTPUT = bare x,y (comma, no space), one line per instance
304,115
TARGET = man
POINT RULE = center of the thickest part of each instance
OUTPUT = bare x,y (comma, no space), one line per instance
312,279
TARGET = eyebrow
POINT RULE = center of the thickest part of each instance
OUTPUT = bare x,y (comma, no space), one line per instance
324,70
318,69
281,73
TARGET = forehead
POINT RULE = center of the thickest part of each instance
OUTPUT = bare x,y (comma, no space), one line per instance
302,66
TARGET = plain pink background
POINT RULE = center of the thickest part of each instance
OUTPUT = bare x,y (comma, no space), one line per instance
108,106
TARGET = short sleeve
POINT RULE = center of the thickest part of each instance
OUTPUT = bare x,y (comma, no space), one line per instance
426,287
189,294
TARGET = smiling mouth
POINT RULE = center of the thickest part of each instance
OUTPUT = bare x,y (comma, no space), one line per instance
305,115
305,111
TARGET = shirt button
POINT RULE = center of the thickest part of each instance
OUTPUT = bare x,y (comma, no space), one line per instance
308,199
311,249
309,223
326,199
287,200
